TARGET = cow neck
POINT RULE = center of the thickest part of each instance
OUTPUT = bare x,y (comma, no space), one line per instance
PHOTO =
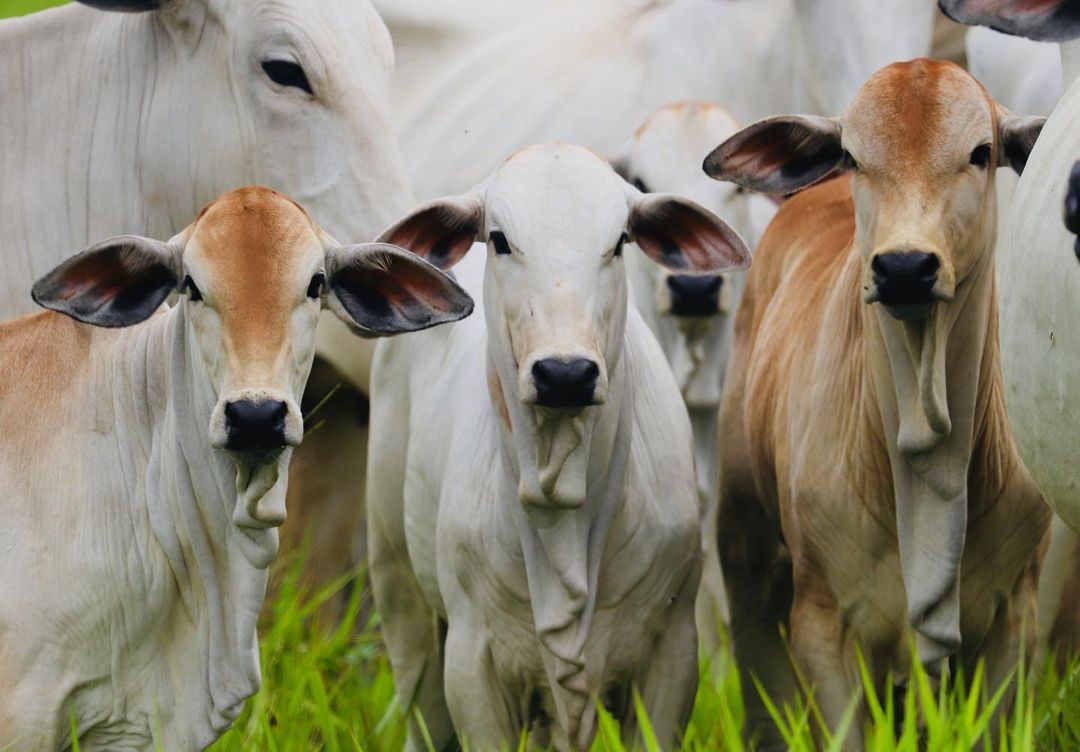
563,516
78,179
926,378
220,572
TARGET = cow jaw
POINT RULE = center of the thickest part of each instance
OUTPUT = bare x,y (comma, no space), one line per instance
559,439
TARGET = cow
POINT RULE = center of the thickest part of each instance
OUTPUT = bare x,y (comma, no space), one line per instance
871,495
619,61
127,116
692,315
534,533
1039,279
144,468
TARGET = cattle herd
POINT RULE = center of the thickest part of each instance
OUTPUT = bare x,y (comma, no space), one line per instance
646,372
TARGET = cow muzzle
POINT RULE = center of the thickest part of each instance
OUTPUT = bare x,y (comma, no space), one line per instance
694,295
906,283
573,382
256,426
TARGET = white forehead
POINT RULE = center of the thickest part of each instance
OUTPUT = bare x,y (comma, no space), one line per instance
557,196
679,136
667,151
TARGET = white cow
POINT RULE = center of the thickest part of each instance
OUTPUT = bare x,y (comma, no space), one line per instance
533,515
692,315
143,473
588,74
120,122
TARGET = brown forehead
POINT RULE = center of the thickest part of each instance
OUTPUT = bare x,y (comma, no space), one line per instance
917,104
252,233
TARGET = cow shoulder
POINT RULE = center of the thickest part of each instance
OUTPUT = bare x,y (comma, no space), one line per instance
43,357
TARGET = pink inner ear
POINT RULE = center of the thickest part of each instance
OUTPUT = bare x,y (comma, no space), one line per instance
102,273
438,234
762,152
682,238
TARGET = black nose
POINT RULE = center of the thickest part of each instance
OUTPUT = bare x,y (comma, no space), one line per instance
255,426
905,277
1072,206
695,294
565,383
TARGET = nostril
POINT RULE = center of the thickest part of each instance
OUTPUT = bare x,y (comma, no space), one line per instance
928,265
905,277
570,383
695,295
251,425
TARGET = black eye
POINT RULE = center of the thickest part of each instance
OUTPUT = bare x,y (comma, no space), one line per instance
849,162
192,291
287,73
640,185
617,252
315,288
498,240
980,156
739,190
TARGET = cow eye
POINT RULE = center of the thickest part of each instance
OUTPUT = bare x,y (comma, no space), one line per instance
192,291
849,162
315,287
980,156
617,252
287,73
640,185
739,190
498,240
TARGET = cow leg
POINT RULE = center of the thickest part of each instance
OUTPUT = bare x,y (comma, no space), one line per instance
1059,588
757,576
818,646
670,681
414,636
411,629
483,713
711,606
1012,630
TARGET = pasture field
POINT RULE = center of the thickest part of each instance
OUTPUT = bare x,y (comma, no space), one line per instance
333,690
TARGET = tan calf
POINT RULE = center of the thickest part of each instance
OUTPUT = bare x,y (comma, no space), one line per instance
876,494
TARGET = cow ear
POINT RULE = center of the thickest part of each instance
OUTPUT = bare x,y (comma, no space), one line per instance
116,283
1042,20
379,290
1018,136
125,6
440,231
779,155
683,236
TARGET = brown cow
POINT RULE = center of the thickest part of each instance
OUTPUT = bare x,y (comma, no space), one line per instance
870,488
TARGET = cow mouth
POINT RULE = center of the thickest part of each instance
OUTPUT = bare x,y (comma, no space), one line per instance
909,311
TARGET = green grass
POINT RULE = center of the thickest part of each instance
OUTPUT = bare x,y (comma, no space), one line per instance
22,7
334,691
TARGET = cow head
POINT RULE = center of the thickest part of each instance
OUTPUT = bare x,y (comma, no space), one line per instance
1043,20
688,312
286,93
921,142
556,219
253,271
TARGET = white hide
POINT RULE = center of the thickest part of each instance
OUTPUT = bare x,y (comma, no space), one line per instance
665,154
429,35
130,122
560,547
589,74
1040,318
